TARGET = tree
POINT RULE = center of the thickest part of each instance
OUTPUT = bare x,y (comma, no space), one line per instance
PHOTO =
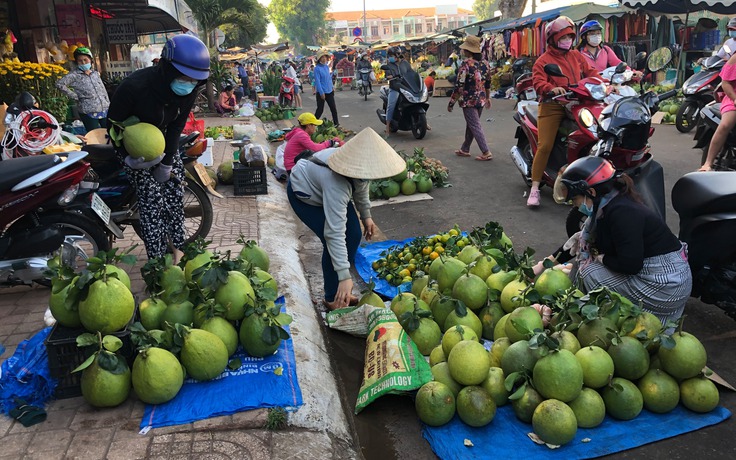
484,9
300,21
250,30
511,8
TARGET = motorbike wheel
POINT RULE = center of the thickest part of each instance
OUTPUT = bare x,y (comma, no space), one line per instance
419,126
198,212
526,152
574,222
687,116
365,93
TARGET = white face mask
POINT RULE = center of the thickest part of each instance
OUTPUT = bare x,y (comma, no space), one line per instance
595,40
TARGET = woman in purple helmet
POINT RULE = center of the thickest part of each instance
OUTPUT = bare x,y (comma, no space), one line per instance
162,95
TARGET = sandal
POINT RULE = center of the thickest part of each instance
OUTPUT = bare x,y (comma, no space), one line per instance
488,157
460,153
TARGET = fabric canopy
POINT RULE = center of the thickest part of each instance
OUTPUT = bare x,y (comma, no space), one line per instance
526,20
683,6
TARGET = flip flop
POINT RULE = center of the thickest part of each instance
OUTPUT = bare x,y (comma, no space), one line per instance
484,158
460,153
26,414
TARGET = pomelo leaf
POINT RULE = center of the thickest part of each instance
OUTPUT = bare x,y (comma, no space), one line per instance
85,364
234,364
87,339
518,393
111,363
283,334
282,319
112,343
270,335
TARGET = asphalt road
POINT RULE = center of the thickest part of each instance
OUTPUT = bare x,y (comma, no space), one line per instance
494,190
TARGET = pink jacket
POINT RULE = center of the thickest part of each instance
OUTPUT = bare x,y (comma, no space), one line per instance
297,141
604,59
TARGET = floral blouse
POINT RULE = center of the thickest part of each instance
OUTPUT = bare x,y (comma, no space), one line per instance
473,84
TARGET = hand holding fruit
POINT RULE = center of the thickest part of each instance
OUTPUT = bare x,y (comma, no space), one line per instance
336,142
344,291
141,163
544,311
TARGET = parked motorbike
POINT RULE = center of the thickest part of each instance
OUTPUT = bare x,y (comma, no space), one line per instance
698,91
36,219
410,113
710,118
286,93
28,130
364,82
524,87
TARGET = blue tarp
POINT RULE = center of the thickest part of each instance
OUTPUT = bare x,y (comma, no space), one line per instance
25,375
254,385
367,254
506,437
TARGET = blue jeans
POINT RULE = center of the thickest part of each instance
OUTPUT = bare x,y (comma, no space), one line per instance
393,97
92,123
314,218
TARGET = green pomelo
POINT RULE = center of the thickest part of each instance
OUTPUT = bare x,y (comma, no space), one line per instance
449,273
471,290
429,294
499,347
522,322
524,407
223,329
144,140
500,279
119,272
157,376
437,355
225,173
401,177
469,320
558,376
198,261
434,268
441,373
475,406
406,297
630,358
567,341
408,187
407,305
435,404
371,298
469,362
489,317
646,322
469,254
151,311
699,394
256,256
596,332
266,279
251,332
178,313
391,189
551,281
589,408
623,399
424,185
494,385
597,366
441,309
455,335
506,241
203,354
235,295
418,285
511,296
63,315
427,336
102,388
175,285
554,422
483,267
518,357
660,391
108,308
686,359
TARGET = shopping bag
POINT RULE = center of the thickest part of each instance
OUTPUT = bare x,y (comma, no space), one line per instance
194,125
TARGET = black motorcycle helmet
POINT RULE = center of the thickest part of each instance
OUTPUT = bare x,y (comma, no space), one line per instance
582,175
393,51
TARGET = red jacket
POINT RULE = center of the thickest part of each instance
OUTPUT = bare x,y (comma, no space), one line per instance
297,141
572,63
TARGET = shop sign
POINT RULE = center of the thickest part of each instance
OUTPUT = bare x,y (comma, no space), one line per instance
118,69
121,31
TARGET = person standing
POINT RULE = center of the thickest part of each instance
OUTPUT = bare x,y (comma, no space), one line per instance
243,74
471,88
324,89
163,96
291,73
85,86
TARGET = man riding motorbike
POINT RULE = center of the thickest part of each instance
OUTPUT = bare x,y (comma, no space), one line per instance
365,63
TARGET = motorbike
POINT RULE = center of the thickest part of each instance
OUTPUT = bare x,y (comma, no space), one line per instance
108,189
286,93
37,220
710,118
524,87
698,91
410,113
364,81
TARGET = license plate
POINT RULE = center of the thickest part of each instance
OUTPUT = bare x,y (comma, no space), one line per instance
101,208
531,94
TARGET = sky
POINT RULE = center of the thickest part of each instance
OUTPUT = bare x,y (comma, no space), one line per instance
352,5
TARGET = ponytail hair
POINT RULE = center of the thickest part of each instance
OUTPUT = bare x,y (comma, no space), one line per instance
625,186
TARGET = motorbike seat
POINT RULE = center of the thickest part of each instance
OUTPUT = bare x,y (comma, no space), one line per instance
15,170
185,139
532,111
716,108
102,158
698,193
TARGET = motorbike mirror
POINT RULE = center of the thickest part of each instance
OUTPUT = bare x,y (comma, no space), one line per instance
25,101
659,59
553,70
621,67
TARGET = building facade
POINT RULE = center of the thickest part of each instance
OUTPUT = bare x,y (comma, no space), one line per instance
396,24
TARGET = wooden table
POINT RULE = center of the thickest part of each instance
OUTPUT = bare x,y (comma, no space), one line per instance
442,88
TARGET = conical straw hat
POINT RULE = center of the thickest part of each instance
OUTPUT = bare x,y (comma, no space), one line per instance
366,156
97,136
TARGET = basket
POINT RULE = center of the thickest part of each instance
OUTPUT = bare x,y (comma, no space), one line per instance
65,356
249,181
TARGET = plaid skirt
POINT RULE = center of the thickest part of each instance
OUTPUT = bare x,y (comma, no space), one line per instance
662,286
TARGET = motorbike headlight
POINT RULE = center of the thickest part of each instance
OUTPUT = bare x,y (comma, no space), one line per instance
597,91
688,89
409,97
618,78
587,119
68,195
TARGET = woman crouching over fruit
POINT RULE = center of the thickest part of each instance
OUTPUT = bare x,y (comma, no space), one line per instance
322,190
300,139
623,245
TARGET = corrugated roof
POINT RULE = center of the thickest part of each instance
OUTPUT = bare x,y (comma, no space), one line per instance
387,14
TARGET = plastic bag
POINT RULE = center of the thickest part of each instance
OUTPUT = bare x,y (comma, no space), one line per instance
247,110
244,130
254,152
280,156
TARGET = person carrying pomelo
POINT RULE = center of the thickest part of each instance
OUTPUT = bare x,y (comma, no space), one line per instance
322,190
623,245
298,140
162,95
560,35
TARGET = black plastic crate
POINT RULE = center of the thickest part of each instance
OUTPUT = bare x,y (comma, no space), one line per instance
65,356
249,181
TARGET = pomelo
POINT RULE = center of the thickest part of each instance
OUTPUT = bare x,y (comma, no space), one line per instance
522,322
500,279
500,330
256,256
251,333
64,316
551,281
223,329
469,362
489,317
483,267
435,404
596,332
437,355
558,376
102,388
401,177
427,336
449,273
554,422
567,341
151,311
469,254
623,399
441,373
589,408
511,296
144,140
597,366
408,187
424,184
471,290
119,272
455,335
499,347
157,376
109,306
225,173
475,406
193,264
203,354
402,302
178,313
391,189
266,280
686,359
524,407
371,298
699,394
429,294
441,309
469,320
660,391
174,284
418,285
518,357
235,295
630,358
494,385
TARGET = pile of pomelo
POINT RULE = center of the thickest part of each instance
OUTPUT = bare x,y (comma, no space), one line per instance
562,359
405,183
197,314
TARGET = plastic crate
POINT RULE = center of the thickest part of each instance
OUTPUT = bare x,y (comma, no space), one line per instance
705,40
249,181
65,356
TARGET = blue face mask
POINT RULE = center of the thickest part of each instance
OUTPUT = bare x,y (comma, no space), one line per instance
583,208
732,33
391,59
182,88
84,67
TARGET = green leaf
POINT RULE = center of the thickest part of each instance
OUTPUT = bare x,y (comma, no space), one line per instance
112,363
87,362
234,364
518,393
112,343
667,342
547,263
510,380
130,121
87,339
283,335
282,319
270,335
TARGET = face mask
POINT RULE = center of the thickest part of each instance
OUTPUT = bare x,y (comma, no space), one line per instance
595,40
182,88
391,59
84,67
564,44
583,208
732,33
